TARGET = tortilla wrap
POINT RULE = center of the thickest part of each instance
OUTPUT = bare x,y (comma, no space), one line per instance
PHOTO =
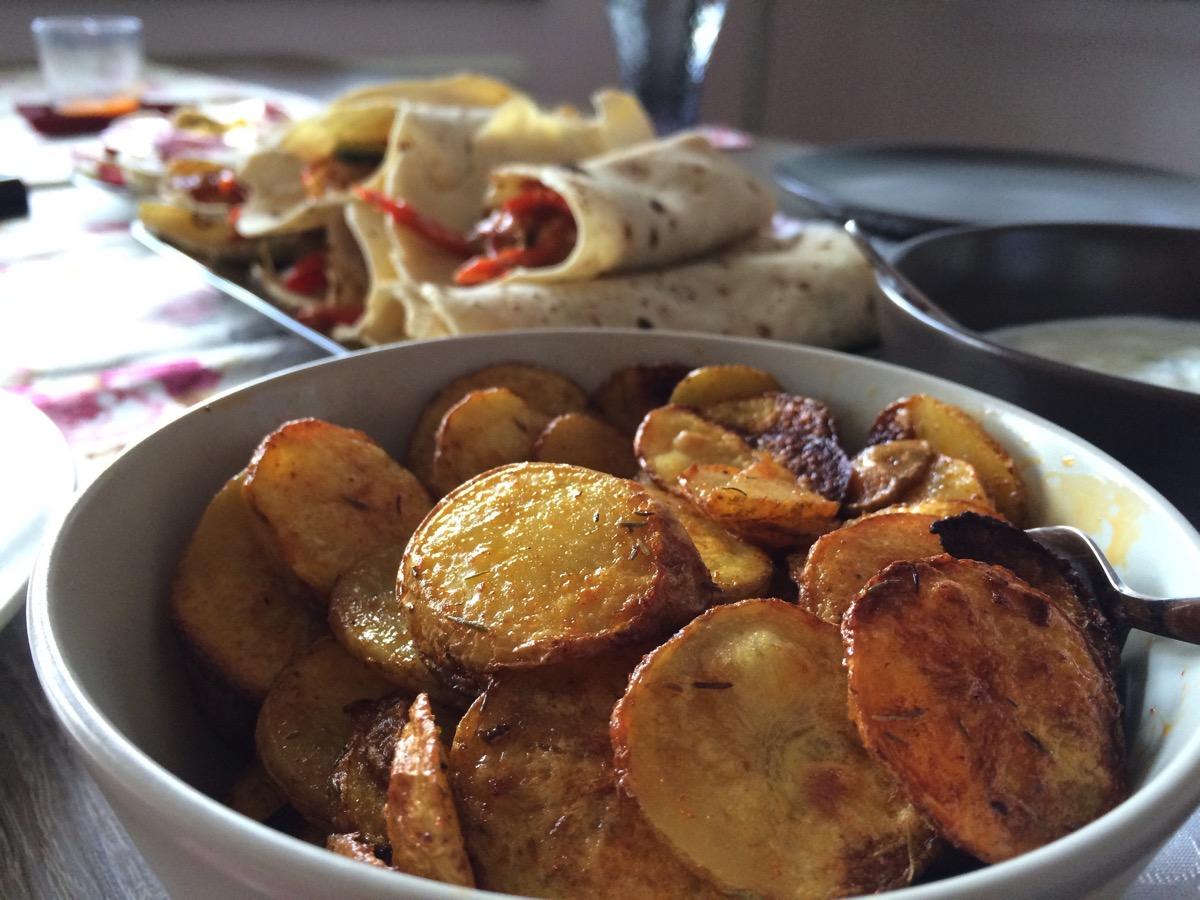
653,205
813,287
362,119
348,278
439,160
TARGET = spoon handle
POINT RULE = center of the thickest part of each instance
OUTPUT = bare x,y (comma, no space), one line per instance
1177,618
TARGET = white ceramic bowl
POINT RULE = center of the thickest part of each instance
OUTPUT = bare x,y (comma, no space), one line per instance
108,662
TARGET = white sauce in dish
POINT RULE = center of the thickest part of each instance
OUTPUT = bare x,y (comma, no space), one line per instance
1155,350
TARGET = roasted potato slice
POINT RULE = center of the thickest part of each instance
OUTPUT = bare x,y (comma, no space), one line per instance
949,479
884,474
738,568
840,563
422,822
537,562
304,725
799,432
775,412
330,496
582,439
990,540
532,767
366,618
671,438
628,393
986,703
360,775
707,385
762,502
734,740
544,389
942,508
486,428
239,613
355,847
255,793
952,432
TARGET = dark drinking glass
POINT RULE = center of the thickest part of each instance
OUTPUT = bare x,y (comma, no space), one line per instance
663,48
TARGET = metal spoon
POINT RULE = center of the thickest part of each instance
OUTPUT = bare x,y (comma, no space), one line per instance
1177,618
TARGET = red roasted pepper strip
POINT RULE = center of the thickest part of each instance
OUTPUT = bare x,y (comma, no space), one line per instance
307,275
403,214
535,198
532,228
325,318
480,269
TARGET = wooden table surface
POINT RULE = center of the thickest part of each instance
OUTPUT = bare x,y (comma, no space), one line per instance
58,836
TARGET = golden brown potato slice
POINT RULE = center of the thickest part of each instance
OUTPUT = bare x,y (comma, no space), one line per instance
582,439
550,392
838,564
366,618
733,738
532,766
486,428
952,432
255,793
671,438
304,726
422,822
883,474
991,540
360,774
354,847
942,508
775,413
330,496
738,568
239,612
536,562
986,703
628,393
949,479
799,432
762,502
711,384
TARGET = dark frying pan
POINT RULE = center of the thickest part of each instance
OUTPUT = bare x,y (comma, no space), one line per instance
974,279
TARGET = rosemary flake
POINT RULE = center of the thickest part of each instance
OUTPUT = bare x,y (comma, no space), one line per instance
467,623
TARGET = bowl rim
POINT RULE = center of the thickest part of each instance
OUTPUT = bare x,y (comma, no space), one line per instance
929,313
1161,805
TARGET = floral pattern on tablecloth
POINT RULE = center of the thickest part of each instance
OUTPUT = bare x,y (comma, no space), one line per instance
110,340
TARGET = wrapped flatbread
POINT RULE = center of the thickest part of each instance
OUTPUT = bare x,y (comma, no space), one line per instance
811,287
317,160
665,234
410,147
440,158
649,206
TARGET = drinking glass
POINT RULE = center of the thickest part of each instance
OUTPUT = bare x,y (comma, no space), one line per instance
92,65
663,48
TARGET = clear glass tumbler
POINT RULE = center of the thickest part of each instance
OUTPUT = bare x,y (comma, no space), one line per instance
663,48
92,65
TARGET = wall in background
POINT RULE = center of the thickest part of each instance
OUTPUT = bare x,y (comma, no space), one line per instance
1114,78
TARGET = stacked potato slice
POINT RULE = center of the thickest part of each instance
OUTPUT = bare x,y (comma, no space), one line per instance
669,637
